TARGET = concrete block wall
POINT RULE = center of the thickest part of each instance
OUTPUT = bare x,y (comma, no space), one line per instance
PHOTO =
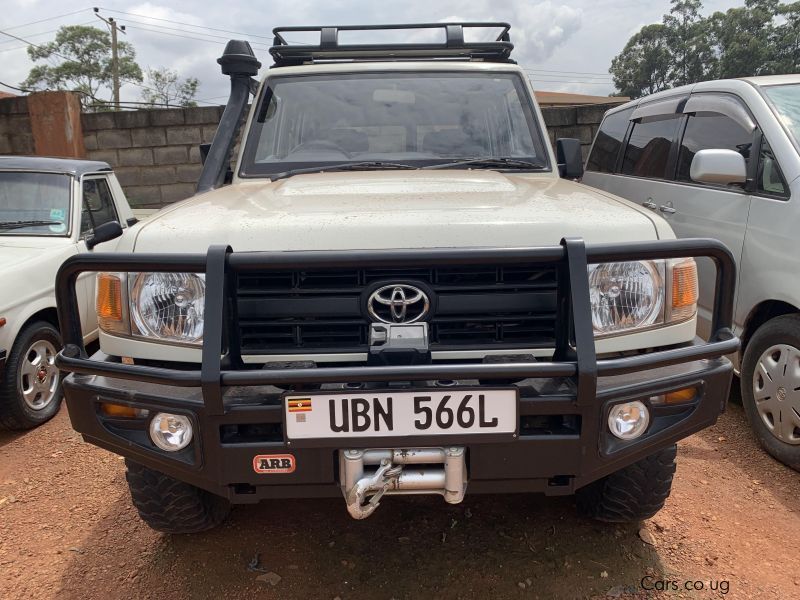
155,153
16,135
579,122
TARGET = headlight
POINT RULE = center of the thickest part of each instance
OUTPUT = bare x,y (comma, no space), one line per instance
168,306
626,296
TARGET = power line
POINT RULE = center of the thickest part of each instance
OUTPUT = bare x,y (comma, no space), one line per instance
122,12
13,87
137,84
187,37
69,14
570,72
33,35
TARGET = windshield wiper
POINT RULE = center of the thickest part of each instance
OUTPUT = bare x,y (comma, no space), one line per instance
489,163
18,224
358,166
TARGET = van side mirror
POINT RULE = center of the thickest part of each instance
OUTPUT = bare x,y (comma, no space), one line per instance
718,166
569,158
104,233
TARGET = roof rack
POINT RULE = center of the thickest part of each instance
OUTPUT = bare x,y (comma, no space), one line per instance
286,52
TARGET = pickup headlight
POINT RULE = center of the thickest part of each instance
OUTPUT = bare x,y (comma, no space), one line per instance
628,296
164,307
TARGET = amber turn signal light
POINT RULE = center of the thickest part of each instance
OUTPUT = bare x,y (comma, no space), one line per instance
680,396
684,290
121,411
109,297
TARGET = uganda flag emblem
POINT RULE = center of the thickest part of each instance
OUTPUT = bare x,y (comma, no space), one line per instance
299,405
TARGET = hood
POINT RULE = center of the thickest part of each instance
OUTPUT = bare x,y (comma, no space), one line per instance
394,209
15,251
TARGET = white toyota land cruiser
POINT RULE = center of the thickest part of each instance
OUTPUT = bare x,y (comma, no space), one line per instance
400,292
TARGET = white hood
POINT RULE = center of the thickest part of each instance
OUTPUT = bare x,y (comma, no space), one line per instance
394,209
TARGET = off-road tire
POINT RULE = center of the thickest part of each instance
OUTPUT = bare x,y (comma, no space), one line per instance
15,413
172,506
780,330
633,493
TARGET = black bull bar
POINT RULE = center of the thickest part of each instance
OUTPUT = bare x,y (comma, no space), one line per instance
574,355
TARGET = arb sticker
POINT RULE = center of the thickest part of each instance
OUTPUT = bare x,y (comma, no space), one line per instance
274,463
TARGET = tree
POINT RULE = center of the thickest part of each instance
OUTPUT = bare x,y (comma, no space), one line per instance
743,39
692,55
644,64
85,63
786,40
164,89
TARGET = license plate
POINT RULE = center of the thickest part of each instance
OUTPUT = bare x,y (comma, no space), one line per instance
381,414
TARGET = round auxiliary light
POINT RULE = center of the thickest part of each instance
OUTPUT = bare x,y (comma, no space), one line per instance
629,420
171,432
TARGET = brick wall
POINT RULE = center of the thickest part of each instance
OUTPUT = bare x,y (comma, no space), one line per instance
16,136
155,153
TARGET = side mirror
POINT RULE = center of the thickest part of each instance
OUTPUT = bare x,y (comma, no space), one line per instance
570,160
720,167
104,233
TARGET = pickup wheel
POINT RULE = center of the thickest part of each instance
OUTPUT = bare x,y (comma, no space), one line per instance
172,506
633,493
770,385
30,391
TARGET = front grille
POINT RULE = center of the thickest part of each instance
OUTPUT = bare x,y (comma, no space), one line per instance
322,311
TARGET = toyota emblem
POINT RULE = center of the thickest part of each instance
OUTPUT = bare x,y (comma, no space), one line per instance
398,303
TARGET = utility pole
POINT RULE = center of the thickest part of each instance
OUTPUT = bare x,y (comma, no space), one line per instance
112,25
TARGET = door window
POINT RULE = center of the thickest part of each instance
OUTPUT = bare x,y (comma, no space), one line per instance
706,130
770,180
647,153
608,142
98,205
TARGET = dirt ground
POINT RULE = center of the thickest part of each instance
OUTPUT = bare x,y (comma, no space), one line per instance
67,530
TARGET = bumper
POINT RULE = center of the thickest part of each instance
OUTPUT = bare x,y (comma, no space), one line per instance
238,413
561,446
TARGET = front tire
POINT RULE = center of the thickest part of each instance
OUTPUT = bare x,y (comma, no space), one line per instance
172,506
770,385
633,493
30,392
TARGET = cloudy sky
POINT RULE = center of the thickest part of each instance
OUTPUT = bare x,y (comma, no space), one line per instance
567,45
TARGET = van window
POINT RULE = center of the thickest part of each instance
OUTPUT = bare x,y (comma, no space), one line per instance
608,142
708,130
648,149
770,179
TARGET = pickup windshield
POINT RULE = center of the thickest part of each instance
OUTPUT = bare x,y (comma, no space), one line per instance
413,119
34,203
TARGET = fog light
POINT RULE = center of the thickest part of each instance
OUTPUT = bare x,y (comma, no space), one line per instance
171,432
629,420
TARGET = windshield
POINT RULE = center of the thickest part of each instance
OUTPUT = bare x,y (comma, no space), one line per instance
416,119
34,203
786,103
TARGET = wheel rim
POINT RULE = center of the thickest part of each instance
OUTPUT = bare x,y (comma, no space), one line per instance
39,376
776,389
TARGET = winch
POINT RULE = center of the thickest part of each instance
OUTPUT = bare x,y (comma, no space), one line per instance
366,475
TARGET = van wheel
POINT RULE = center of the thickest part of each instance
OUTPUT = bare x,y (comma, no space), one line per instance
770,384
172,506
30,392
633,493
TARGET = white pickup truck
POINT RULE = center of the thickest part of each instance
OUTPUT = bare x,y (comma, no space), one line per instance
401,291
50,209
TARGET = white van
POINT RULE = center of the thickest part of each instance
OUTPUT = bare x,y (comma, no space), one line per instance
720,159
